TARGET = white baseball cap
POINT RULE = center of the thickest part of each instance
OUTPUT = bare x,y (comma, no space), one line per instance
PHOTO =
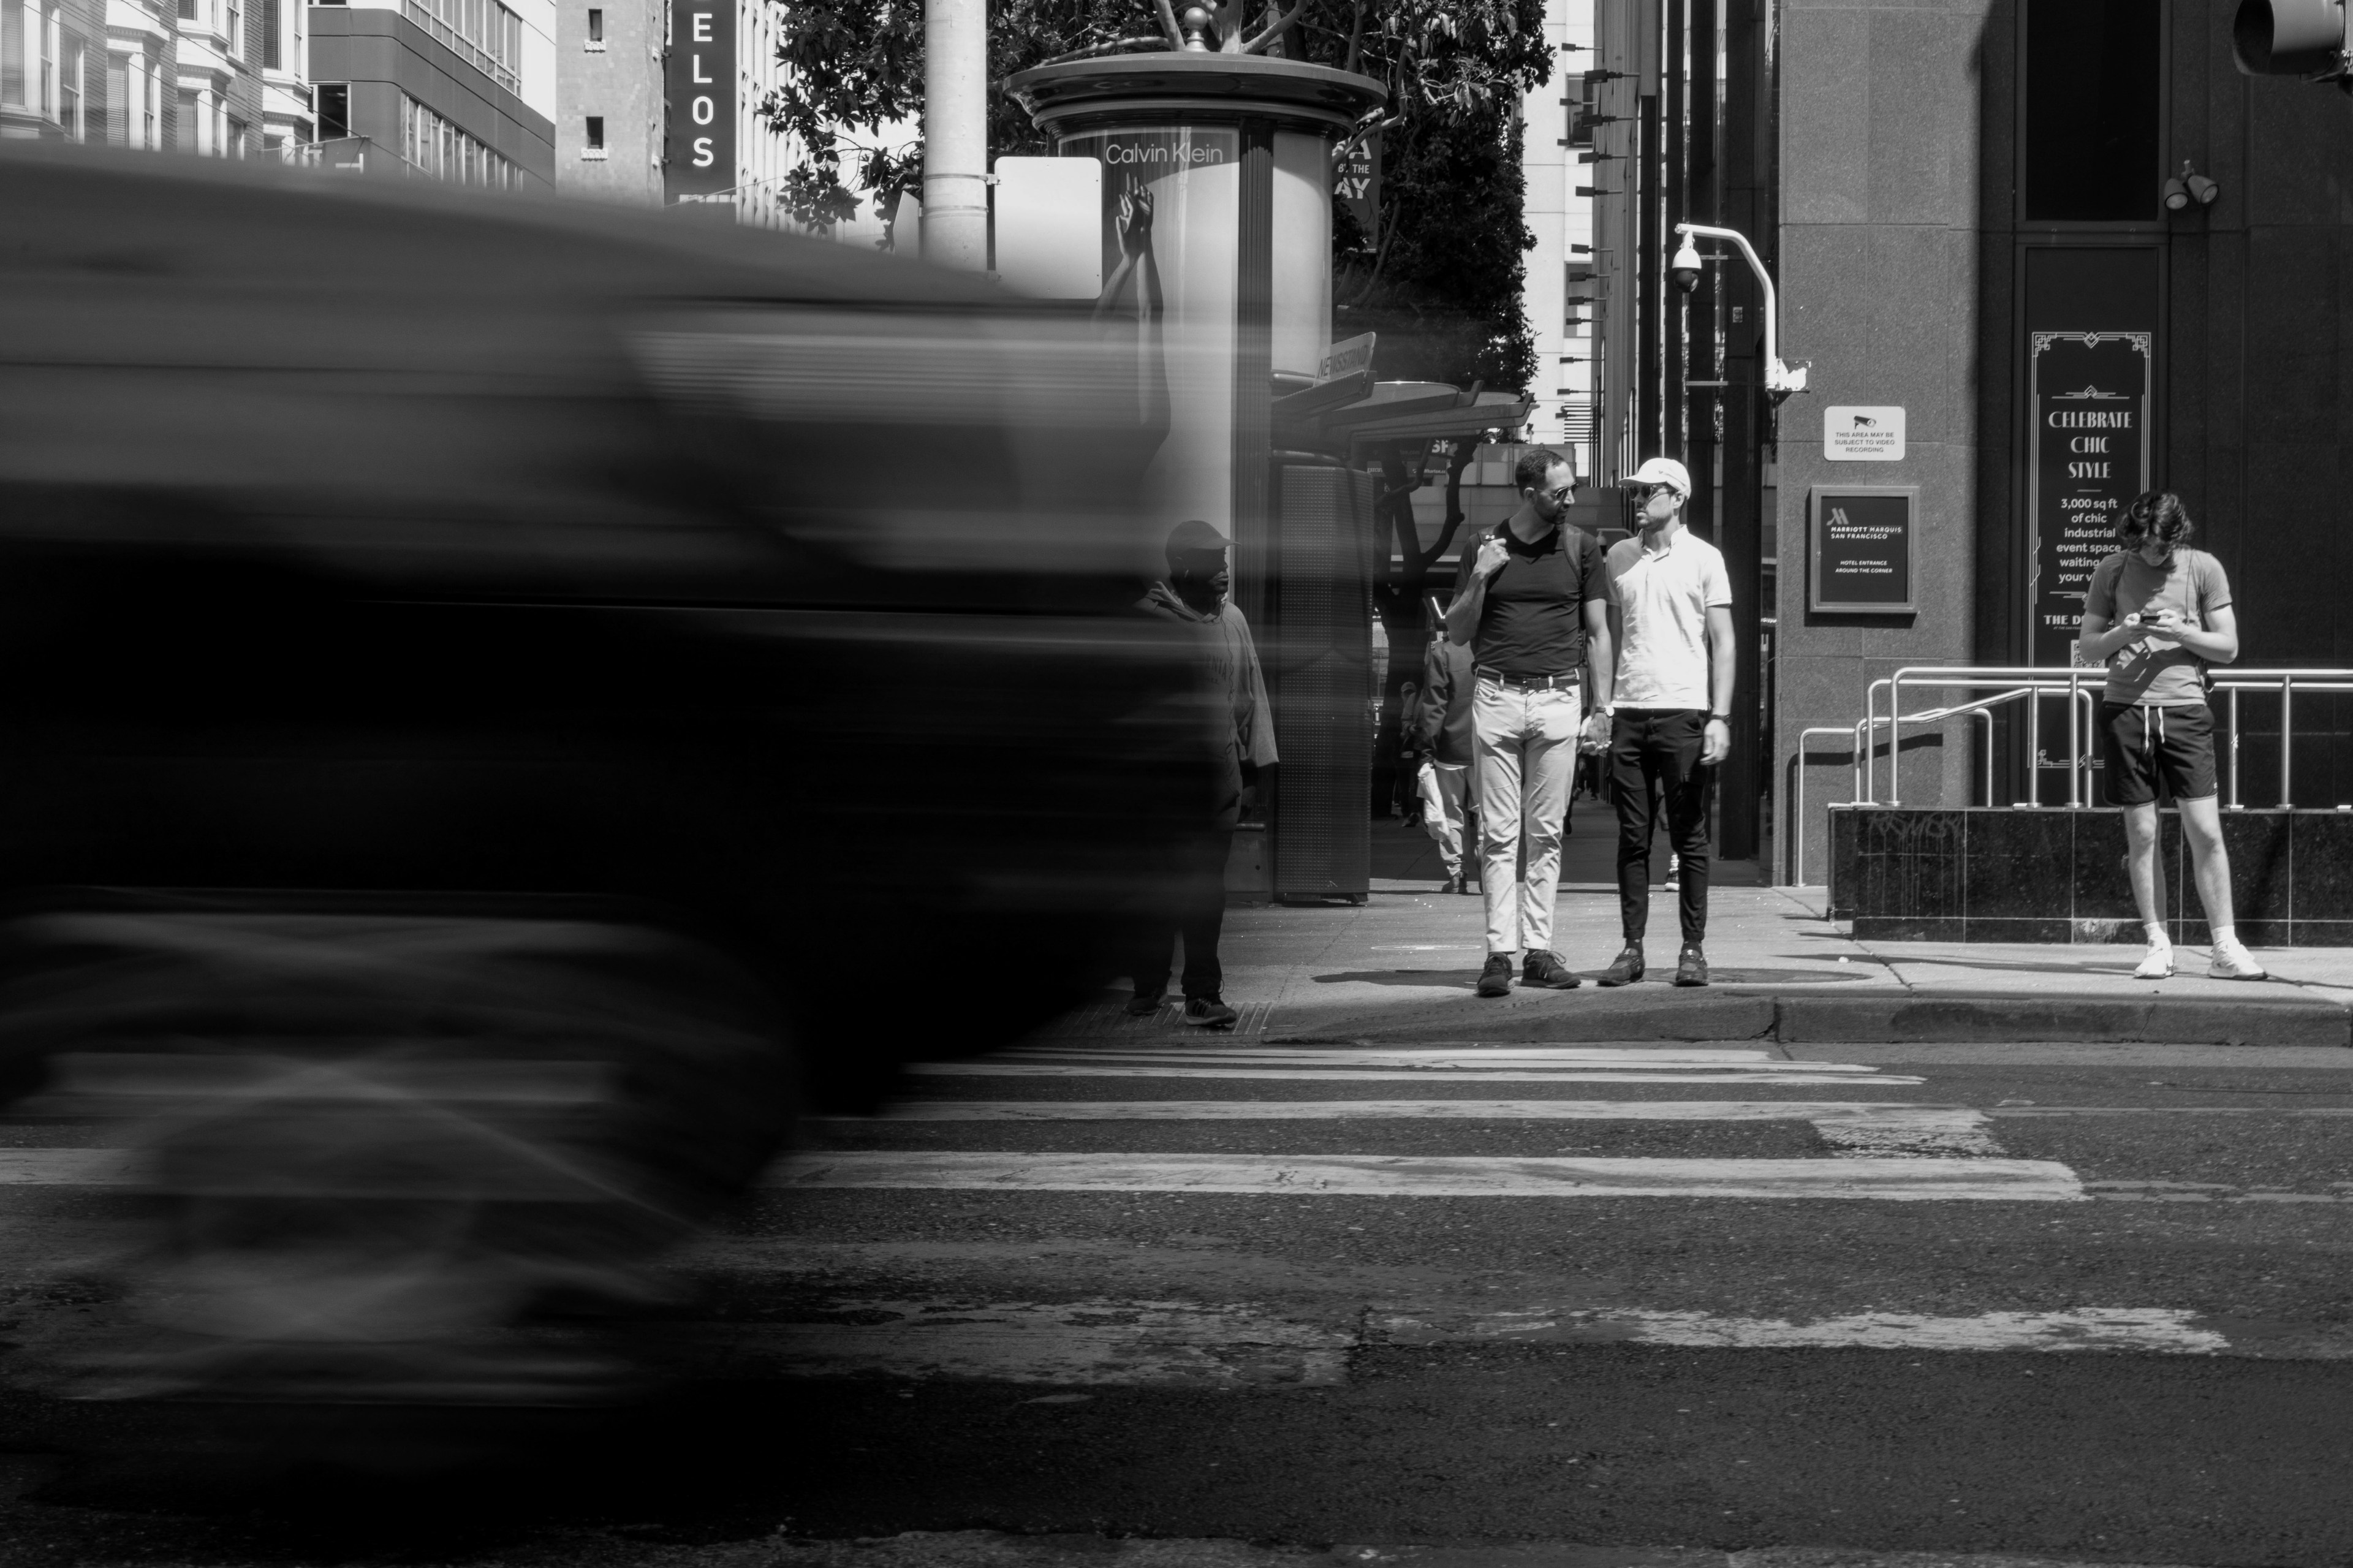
1663,472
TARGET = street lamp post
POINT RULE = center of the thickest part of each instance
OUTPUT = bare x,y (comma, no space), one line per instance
956,134
1780,379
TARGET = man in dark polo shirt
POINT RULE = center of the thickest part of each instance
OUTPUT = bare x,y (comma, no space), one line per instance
1532,602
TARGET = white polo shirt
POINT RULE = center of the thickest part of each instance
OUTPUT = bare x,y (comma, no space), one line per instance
1662,598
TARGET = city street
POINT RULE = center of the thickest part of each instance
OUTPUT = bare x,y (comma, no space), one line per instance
2070,1302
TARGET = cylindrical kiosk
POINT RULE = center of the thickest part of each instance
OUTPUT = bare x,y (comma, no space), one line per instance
1217,236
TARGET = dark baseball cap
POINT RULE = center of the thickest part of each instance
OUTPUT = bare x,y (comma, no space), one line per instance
1193,536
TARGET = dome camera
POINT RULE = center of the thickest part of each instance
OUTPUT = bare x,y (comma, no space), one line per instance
1685,268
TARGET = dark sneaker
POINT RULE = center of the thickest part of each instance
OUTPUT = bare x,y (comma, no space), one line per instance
1210,1013
1142,1006
1495,980
1453,884
1545,969
1691,966
1626,968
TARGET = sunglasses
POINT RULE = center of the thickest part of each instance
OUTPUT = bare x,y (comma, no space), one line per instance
1564,495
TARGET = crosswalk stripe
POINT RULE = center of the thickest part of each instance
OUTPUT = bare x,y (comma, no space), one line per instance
1649,1061
1382,1176
1462,1054
2167,1329
1147,1343
1795,1073
1102,1343
1414,1109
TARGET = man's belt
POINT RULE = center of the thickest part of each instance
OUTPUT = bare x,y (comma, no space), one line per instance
1530,683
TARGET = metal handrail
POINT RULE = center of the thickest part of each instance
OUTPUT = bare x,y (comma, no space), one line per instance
1983,708
1867,789
2287,682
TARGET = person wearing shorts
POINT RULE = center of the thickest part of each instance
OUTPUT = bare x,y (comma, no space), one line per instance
2157,614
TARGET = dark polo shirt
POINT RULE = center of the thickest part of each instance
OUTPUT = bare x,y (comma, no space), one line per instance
1533,620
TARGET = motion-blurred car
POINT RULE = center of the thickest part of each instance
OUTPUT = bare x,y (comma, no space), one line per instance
505,702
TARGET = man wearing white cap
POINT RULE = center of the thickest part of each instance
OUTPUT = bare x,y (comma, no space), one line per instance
1671,609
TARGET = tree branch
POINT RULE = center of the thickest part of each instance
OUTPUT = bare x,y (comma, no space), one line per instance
1261,43
1168,24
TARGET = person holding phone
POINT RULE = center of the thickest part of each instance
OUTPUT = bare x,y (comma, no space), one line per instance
1529,605
2157,614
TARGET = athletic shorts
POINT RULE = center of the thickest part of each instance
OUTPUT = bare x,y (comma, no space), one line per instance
2143,747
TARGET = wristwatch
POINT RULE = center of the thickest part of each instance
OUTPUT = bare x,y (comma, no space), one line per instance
1719,718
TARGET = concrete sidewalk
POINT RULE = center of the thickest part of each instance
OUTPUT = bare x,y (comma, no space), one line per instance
1403,967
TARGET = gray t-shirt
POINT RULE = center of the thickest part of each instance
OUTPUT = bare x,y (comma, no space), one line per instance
2191,584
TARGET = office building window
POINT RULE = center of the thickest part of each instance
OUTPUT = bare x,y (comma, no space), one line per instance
233,30
69,102
238,134
2091,152
272,24
432,145
332,101
595,28
484,33
591,144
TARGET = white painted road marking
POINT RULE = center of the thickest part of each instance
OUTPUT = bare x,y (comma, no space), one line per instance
1378,1175
1398,1110
1432,1060
1131,1344
1104,1342
2164,1330
1792,1073
1852,1128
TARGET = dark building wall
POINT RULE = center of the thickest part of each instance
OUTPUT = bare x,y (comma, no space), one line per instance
1882,255
1904,257
383,55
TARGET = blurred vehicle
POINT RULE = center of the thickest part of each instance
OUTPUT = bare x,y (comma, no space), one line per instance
507,701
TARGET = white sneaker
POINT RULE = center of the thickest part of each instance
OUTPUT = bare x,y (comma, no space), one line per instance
2158,962
2233,961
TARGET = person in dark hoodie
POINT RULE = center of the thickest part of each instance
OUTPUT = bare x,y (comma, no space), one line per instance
1194,593
1449,680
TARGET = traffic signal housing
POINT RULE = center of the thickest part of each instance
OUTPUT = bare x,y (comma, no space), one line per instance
2291,38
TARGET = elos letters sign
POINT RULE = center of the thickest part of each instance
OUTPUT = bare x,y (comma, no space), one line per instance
701,96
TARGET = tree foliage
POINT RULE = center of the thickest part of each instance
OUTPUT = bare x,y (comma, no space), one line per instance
1440,280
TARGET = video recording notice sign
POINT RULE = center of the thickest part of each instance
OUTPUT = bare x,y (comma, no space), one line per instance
2087,458
1860,549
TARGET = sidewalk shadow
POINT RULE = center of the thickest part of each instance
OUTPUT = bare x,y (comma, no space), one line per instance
1429,979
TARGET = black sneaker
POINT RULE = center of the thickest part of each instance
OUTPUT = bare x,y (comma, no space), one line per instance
1545,969
1142,1006
1210,1013
1453,884
1691,966
1626,968
1495,980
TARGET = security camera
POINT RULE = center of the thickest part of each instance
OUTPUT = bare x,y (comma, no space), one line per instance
1685,268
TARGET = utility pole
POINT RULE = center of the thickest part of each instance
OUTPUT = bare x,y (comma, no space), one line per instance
956,134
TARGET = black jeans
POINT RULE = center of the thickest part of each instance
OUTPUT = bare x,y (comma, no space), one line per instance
1198,914
1654,752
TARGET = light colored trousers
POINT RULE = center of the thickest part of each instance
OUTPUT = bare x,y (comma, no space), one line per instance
1442,787
1527,757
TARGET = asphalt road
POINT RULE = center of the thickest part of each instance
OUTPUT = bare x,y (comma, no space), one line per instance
2144,1356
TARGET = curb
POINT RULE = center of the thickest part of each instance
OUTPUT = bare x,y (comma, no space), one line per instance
1906,1019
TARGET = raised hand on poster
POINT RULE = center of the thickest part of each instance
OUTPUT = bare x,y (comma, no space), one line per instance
1135,224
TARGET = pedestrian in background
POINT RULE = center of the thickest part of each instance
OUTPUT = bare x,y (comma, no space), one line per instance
1530,604
2157,614
1671,606
1405,798
1449,681
1195,594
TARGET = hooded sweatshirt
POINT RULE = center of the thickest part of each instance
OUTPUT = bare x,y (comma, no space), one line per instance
1233,679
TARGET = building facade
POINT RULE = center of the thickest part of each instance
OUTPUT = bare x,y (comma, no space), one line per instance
608,74
1563,172
2038,255
463,90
